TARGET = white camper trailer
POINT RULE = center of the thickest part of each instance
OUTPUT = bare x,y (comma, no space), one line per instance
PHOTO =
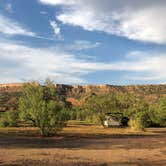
115,119
111,122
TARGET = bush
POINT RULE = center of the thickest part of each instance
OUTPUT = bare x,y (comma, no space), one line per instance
139,121
158,113
39,106
135,124
161,112
9,119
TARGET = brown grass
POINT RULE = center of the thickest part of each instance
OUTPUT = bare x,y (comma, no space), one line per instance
83,145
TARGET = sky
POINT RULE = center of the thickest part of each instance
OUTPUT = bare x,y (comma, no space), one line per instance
83,41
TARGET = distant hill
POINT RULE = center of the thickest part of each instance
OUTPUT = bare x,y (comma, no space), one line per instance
77,94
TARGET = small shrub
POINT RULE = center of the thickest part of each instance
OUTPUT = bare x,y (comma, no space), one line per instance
138,122
135,125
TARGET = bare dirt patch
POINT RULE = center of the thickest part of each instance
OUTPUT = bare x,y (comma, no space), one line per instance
83,145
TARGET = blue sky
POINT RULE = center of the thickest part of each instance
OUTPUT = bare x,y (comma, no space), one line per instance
83,41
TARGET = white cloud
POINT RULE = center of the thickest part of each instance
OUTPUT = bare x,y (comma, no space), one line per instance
136,20
10,27
56,28
19,62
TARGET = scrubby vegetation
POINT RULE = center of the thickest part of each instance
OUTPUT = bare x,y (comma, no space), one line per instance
42,106
140,113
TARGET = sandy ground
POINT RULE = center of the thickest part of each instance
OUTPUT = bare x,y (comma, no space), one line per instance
84,145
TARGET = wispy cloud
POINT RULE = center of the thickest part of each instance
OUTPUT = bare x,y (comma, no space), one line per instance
78,45
11,27
83,45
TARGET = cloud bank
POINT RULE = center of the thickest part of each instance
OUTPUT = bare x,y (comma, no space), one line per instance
136,20
23,63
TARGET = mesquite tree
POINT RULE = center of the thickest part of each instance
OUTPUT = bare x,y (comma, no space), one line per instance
39,106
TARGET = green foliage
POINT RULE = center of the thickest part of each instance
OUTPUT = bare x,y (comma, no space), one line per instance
139,121
132,107
158,113
39,106
9,119
73,114
162,112
77,113
135,124
93,119
100,105
127,105
83,114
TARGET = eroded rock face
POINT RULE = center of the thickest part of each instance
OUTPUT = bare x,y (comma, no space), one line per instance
99,89
11,87
78,94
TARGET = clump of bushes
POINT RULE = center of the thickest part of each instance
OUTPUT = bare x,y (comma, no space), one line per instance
40,106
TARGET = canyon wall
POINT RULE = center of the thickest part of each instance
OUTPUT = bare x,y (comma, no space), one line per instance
71,90
77,94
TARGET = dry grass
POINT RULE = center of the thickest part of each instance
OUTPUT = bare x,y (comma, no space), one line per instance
82,144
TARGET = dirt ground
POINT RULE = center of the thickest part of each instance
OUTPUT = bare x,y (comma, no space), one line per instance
80,145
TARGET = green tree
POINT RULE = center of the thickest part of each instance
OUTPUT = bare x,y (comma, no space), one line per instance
139,121
40,106
158,112
100,105
139,114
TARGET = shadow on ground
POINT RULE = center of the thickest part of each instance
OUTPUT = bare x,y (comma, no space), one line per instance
113,141
43,163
